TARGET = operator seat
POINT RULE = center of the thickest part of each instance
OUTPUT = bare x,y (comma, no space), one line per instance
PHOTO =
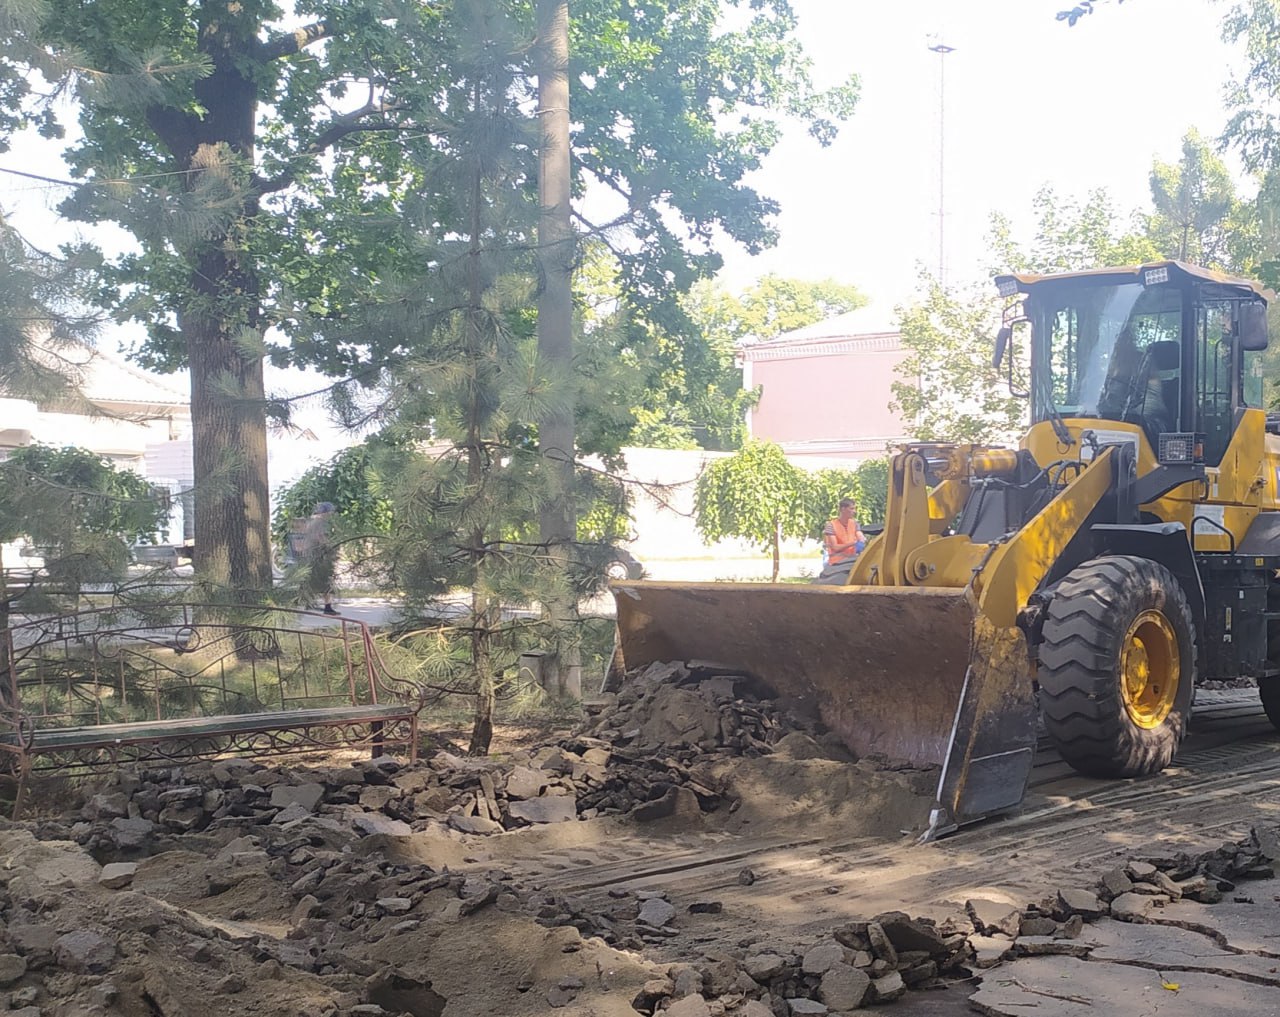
1162,397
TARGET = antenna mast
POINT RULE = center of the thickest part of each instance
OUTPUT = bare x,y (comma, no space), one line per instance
942,49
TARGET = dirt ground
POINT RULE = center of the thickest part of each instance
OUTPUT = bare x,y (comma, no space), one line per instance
690,850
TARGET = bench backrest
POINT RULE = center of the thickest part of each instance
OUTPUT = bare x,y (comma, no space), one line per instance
114,665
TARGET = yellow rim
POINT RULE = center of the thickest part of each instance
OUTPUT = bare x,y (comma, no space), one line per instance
1149,669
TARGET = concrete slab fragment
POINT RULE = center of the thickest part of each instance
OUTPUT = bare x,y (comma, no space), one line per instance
1252,926
1169,949
1067,987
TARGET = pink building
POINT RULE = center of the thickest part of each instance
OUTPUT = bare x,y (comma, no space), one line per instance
826,389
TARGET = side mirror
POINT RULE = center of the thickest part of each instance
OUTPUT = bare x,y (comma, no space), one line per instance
1253,326
1002,344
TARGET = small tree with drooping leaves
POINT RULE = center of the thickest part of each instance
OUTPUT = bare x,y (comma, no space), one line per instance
80,511
350,481
866,483
756,495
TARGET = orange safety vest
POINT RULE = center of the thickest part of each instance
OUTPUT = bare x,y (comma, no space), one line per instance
846,533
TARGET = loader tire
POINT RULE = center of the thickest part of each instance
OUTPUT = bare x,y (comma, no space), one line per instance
1117,667
1269,692
1269,688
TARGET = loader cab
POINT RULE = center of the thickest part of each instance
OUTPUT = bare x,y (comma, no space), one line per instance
1172,348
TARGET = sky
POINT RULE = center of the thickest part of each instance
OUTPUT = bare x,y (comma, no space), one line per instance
1029,101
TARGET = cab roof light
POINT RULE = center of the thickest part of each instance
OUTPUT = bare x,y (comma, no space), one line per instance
1007,287
1155,276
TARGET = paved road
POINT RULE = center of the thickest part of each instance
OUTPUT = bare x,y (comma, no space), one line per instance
380,611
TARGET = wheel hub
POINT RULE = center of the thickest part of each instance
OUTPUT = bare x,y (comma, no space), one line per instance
1150,669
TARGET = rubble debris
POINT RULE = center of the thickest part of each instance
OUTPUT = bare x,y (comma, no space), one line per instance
661,753
1085,903
991,917
287,877
117,875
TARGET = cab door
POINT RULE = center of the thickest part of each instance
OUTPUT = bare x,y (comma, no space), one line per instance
1215,370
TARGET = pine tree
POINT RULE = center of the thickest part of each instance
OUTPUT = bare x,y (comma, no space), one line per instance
459,458
76,507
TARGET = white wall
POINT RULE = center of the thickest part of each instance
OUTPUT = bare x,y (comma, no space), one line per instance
662,484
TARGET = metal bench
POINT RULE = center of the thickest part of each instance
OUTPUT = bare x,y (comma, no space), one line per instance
185,682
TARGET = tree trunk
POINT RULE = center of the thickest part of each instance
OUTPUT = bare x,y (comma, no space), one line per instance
482,621
232,519
558,522
221,323
8,695
777,549
482,610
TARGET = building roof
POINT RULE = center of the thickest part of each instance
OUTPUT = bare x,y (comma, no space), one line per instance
105,378
862,330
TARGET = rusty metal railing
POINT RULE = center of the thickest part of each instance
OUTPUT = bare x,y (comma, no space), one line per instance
181,662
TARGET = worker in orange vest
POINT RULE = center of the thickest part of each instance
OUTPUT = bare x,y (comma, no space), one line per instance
844,540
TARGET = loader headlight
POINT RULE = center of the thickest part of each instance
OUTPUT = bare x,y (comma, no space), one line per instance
1007,287
1179,447
1155,276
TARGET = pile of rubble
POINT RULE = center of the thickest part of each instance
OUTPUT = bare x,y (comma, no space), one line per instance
310,916
1142,886
873,962
1135,891
175,889
689,706
656,750
858,964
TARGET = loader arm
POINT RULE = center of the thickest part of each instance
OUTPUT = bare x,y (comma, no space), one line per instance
992,748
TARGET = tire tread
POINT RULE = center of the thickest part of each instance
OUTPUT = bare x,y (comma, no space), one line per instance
1079,686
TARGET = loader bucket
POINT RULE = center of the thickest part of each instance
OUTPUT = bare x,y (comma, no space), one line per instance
916,675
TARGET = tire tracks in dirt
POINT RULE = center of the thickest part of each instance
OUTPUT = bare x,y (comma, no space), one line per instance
1069,831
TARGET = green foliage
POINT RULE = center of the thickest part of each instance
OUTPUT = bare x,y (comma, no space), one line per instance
605,516
822,498
755,494
679,102
40,316
770,307
1253,129
873,491
78,508
351,482
867,484
1198,216
1072,235
946,385
318,218
760,496
694,397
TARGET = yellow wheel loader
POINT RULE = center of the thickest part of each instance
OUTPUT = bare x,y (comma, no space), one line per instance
1126,549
